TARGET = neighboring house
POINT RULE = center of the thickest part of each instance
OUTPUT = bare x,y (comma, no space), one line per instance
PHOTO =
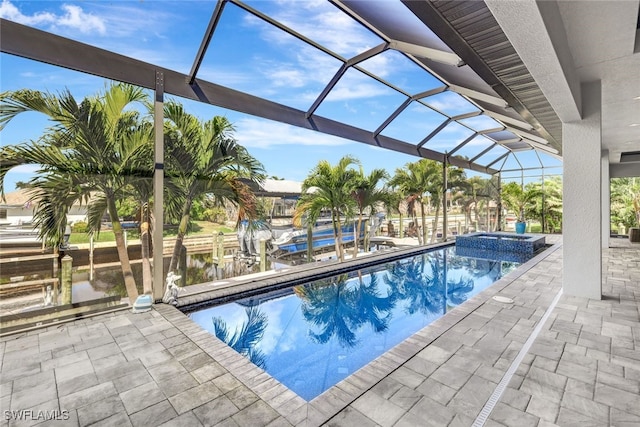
17,208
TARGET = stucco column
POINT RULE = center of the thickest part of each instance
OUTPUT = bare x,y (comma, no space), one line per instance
582,198
606,199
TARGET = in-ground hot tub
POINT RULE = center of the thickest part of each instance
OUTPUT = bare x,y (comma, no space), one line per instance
502,242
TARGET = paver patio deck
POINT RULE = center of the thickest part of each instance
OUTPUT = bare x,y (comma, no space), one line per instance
160,368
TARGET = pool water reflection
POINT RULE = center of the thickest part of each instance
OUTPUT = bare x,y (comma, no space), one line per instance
309,337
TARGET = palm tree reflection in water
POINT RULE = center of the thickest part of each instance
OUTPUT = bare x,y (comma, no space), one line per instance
339,308
423,284
246,339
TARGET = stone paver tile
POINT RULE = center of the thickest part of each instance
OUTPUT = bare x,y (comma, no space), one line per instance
32,390
279,422
428,412
616,398
387,387
509,416
436,391
68,372
543,408
58,362
472,397
515,398
624,419
89,395
76,384
406,397
135,379
186,419
435,354
154,415
351,417
194,397
570,418
141,397
215,411
586,407
99,410
208,372
178,384
185,350
451,376
195,361
30,412
166,370
60,419
226,382
580,388
577,371
421,366
242,397
404,376
630,385
463,421
378,409
104,350
119,419
409,420
539,381
256,415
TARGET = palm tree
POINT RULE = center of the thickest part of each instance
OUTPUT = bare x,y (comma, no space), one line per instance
469,196
519,199
395,201
205,159
415,181
87,148
245,339
329,188
367,195
423,181
625,201
547,205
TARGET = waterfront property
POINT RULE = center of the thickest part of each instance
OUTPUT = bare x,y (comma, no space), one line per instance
160,368
546,81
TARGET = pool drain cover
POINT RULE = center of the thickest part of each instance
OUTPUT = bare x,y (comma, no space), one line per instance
503,299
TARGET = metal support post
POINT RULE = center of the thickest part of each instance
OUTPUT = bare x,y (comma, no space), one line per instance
158,188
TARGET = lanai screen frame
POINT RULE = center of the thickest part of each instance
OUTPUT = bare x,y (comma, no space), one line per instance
45,47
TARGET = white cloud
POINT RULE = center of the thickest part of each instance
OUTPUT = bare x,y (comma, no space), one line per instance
265,134
72,17
450,102
76,18
11,12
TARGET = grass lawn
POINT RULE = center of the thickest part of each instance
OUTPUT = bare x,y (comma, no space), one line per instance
199,227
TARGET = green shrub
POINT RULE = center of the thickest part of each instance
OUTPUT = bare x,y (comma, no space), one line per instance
79,227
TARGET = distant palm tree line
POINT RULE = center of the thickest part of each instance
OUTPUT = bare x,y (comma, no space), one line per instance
99,151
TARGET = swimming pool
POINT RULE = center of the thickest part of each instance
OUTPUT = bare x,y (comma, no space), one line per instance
311,336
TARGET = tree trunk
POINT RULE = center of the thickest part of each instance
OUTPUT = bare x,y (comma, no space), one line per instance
356,235
337,233
182,230
424,222
147,283
434,233
123,255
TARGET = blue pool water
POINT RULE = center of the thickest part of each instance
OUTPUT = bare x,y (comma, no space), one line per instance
309,337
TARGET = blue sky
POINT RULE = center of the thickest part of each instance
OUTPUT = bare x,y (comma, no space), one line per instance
252,56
